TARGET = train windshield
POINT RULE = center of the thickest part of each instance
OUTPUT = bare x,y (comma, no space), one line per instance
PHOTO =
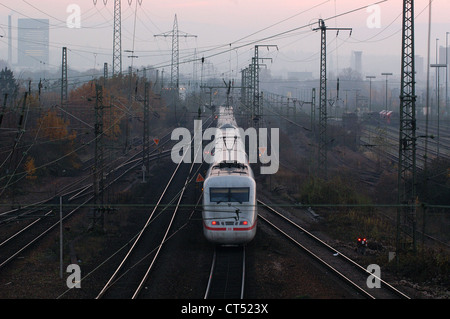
233,194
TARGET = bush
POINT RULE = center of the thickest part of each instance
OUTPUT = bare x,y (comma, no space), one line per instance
424,266
336,191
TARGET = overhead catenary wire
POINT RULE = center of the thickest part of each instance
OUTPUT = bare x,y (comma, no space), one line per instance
278,35
189,57
274,36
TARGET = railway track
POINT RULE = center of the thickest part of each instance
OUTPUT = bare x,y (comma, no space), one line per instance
75,190
350,272
41,216
227,276
27,236
390,149
129,277
133,272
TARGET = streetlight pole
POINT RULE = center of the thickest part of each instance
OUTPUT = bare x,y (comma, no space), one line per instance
370,77
446,71
386,74
436,62
438,66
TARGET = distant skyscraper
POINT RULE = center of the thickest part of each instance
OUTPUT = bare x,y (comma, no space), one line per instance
442,52
442,60
9,42
357,61
33,42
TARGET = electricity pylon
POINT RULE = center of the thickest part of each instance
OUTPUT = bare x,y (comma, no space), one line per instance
256,95
64,76
407,132
323,142
117,39
175,63
98,183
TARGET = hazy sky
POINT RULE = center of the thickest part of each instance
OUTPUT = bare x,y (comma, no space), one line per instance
227,31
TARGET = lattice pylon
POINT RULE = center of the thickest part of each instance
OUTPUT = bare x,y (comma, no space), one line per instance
407,131
175,62
117,39
323,162
64,83
323,140
175,65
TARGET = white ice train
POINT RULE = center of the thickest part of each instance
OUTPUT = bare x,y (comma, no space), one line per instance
229,189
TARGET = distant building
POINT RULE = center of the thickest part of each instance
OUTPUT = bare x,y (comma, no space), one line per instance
357,61
10,62
443,60
442,52
33,42
299,76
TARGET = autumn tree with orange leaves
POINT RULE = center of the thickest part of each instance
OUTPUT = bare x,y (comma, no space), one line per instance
30,168
54,127
84,96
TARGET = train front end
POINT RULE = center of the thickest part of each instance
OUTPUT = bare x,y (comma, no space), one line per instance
229,209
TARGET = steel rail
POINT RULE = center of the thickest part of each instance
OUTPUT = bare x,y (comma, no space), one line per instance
150,267
333,250
215,272
323,262
112,279
136,241
27,245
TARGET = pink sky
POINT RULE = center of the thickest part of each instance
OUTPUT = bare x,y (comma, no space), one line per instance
220,22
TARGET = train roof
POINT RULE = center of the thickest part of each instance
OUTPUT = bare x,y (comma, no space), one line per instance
227,125
230,168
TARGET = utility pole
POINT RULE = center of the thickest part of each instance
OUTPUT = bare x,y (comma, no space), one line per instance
64,77
386,89
146,139
20,132
370,77
313,106
175,63
256,100
323,143
446,71
117,39
313,119
129,116
117,35
244,86
247,92
98,184
438,98
407,132
105,73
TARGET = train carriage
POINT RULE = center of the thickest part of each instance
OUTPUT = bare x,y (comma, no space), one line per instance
229,189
